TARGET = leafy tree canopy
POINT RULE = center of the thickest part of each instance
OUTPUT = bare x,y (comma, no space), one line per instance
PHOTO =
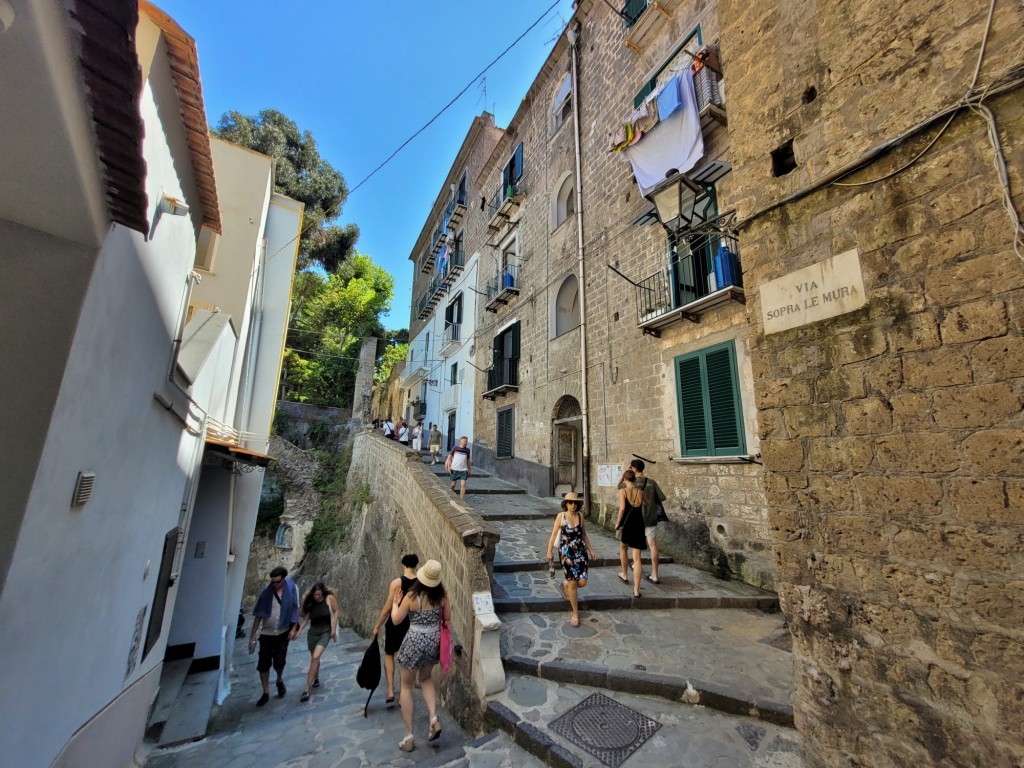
386,362
331,316
303,175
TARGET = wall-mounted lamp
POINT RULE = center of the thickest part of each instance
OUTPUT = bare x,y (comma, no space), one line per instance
172,206
674,200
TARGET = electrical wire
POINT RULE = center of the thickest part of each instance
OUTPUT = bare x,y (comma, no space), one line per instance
330,211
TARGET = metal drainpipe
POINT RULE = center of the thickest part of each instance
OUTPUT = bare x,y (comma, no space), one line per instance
573,34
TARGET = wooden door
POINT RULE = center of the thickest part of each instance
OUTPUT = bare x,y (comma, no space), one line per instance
565,456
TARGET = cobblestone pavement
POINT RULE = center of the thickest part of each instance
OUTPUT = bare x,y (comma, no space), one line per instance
329,731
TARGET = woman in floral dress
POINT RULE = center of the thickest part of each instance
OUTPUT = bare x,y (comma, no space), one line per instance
575,551
426,605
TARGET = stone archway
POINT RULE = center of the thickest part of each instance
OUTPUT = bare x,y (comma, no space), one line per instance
566,445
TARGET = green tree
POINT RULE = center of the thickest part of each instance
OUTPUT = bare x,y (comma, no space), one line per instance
392,354
338,311
301,174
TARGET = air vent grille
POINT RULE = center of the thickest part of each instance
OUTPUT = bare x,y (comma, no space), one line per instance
83,489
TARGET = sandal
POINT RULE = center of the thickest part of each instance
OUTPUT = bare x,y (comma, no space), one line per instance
622,578
407,744
435,729
636,595
574,621
390,701
653,580
304,696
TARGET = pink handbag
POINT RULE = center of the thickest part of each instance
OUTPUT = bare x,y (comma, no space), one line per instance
446,646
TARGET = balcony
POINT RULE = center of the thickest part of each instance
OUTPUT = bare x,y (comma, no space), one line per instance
429,299
425,263
502,377
700,284
450,397
452,337
414,372
645,19
453,266
456,209
502,287
419,409
440,236
504,203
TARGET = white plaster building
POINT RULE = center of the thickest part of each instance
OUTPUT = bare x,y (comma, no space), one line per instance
130,400
438,381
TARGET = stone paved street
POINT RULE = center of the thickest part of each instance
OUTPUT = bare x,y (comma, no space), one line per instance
329,731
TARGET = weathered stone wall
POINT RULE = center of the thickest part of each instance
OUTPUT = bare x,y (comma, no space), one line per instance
891,435
312,426
410,511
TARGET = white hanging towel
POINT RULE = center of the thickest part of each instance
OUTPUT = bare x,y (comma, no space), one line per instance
675,142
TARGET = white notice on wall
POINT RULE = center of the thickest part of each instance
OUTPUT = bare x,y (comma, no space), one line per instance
608,475
831,287
482,603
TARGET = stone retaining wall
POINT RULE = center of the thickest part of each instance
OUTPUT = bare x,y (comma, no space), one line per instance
412,510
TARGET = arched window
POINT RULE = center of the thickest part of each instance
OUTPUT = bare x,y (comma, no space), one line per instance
567,306
561,107
564,204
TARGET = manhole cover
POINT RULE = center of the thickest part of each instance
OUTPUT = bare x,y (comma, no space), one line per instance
609,731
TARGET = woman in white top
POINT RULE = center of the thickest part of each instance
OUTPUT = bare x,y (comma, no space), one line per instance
417,436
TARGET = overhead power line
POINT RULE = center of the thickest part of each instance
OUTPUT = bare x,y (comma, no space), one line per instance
329,212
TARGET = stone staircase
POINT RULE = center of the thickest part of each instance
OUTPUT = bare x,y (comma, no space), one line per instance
696,672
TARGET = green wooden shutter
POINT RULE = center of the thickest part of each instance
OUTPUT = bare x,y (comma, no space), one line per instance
723,398
692,411
512,342
644,92
504,441
517,160
710,415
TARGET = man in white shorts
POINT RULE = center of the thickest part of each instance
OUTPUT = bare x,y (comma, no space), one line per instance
653,496
458,465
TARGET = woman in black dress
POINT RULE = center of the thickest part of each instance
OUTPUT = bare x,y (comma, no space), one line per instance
631,523
395,634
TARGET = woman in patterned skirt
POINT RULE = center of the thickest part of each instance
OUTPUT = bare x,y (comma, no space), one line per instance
575,551
425,605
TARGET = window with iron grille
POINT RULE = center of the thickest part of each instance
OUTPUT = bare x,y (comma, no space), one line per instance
710,411
505,442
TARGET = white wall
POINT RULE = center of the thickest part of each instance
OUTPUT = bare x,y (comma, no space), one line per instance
87,572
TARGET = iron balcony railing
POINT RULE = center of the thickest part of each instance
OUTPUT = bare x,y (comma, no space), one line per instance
428,300
504,374
698,274
453,264
632,10
505,282
505,192
452,333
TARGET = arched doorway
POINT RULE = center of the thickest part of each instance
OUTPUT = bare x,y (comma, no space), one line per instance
566,445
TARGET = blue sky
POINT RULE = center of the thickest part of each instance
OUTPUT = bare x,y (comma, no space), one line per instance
363,77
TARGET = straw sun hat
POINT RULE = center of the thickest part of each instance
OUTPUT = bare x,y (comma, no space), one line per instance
429,574
571,497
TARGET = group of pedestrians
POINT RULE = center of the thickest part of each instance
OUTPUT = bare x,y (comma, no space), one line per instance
412,615
636,528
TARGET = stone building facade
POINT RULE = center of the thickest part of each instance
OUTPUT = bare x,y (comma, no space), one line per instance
891,433
648,308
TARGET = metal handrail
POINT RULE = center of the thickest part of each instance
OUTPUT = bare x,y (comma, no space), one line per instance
504,373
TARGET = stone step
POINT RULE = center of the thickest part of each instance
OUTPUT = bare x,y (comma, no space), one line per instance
526,540
541,716
680,587
731,660
512,566
172,678
190,715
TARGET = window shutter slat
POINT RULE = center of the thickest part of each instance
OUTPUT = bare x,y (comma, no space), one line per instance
691,395
724,410
504,441
518,160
